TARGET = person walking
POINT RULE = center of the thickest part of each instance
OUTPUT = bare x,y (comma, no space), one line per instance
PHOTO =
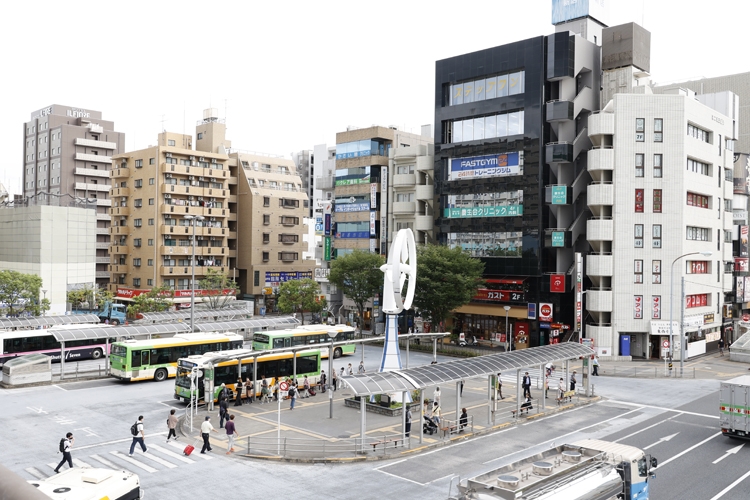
231,434
526,384
341,378
500,386
407,429
139,437
436,395
721,345
463,420
573,381
264,390
306,387
65,446
276,390
292,396
361,369
546,386
206,429
249,390
560,389
335,380
172,425
595,365
238,397
323,381
224,393
436,413
223,412
349,370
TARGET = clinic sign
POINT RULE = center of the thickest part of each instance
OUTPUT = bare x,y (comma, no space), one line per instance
478,167
559,195
487,211
558,239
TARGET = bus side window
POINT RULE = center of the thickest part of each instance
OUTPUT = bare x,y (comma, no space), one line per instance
288,342
136,358
145,357
277,343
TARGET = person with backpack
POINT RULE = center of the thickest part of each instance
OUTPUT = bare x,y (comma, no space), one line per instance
172,425
238,398
292,396
66,444
138,436
322,381
223,412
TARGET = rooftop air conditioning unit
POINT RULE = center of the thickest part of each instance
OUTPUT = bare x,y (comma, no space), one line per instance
193,163
200,198
201,178
169,155
213,160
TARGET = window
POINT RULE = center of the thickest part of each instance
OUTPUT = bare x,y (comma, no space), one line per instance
266,201
151,222
639,200
658,124
200,135
151,161
136,281
150,242
638,230
637,306
266,238
288,203
256,278
698,167
404,197
657,201
138,203
170,142
639,164
656,272
137,262
698,267
637,271
488,127
266,219
287,256
698,133
698,233
151,181
265,256
657,166
405,169
138,163
150,262
656,307
728,205
137,222
137,242
640,129
727,236
149,282
697,300
656,236
288,238
697,200
150,201
289,221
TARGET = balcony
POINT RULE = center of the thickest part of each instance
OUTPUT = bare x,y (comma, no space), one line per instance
119,191
599,265
116,249
103,275
600,193
92,172
559,152
404,180
119,269
102,260
104,231
559,110
325,183
83,186
426,193
424,223
101,216
103,245
601,124
115,230
232,217
92,143
124,211
600,229
93,158
599,300
106,202
601,159
119,172
425,163
404,207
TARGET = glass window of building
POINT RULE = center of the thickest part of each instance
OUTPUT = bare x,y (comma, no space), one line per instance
478,128
490,91
515,83
490,126
479,91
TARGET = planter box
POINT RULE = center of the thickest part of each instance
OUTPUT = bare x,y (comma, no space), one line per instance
380,410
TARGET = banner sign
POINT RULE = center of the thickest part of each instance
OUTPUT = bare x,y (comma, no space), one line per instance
485,166
353,234
373,195
486,211
531,312
559,195
327,248
372,223
579,290
558,238
130,293
383,211
327,225
638,306
352,207
498,295
743,241
557,283
275,278
545,311
656,307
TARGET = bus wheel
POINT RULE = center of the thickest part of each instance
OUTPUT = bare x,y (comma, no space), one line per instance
337,353
161,375
96,353
114,322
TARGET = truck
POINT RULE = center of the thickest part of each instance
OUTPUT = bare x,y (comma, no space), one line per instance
585,470
88,483
112,313
734,407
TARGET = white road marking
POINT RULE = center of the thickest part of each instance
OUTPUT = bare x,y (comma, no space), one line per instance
138,464
645,429
728,488
172,454
105,462
662,440
403,478
733,451
388,465
196,453
126,440
80,463
688,450
52,466
36,473
36,410
663,409
88,431
158,460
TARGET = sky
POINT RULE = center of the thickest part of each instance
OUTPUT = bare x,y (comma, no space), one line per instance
289,75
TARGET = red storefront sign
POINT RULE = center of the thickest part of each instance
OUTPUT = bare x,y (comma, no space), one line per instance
545,312
130,293
521,330
557,283
698,300
498,295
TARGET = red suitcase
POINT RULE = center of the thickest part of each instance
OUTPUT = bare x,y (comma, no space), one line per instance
188,449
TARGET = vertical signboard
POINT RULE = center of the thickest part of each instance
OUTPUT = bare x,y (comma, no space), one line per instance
531,312
656,307
739,293
373,195
383,210
327,248
318,225
559,195
373,245
372,223
557,283
327,218
638,306
743,241
579,291
558,239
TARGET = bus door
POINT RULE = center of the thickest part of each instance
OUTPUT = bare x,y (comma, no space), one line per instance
135,362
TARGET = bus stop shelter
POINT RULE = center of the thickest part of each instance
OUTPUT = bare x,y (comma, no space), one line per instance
407,380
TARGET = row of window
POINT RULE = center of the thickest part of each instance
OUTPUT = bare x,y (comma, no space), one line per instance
655,271
283,238
487,88
698,133
692,233
640,129
487,127
640,166
640,202
282,256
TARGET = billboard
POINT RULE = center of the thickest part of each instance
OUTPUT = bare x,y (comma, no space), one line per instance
743,241
275,278
545,311
567,10
484,211
741,174
477,167
559,195
557,283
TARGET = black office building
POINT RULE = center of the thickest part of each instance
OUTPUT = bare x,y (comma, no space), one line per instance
511,177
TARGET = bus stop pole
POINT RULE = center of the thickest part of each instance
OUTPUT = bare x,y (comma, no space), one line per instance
407,352
434,350
567,375
519,394
294,368
489,399
421,413
545,381
458,399
62,360
363,421
404,408
255,376
106,356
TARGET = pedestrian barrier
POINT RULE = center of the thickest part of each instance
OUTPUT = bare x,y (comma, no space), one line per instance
321,449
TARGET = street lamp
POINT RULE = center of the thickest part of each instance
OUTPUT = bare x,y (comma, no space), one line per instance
43,299
194,219
332,335
671,299
507,337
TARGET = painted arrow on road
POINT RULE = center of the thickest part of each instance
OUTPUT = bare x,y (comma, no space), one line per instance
733,451
662,440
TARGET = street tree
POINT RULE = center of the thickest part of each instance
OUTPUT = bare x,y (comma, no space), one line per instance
299,296
359,277
19,292
447,278
218,289
155,300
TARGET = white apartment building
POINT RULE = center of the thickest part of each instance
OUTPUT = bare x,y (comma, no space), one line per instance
661,197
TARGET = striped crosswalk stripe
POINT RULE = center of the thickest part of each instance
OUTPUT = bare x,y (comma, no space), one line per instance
80,463
36,473
171,454
105,462
151,456
130,460
195,453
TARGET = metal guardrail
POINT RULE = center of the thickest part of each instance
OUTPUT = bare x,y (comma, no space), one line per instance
324,449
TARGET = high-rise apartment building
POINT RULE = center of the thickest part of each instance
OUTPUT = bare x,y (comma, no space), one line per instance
304,162
67,151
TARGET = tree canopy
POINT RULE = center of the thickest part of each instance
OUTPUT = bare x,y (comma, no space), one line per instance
218,289
155,300
94,298
19,293
446,280
300,296
358,276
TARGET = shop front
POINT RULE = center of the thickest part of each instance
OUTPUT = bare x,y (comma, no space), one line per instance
487,322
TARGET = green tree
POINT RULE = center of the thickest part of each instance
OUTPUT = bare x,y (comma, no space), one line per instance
446,280
20,292
359,277
218,289
299,296
155,300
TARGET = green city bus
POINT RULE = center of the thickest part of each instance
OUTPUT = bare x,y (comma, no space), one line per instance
271,367
156,359
312,335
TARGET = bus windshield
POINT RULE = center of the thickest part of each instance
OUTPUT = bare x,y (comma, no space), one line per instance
119,350
183,378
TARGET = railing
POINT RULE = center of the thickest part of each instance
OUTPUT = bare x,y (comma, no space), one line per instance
327,449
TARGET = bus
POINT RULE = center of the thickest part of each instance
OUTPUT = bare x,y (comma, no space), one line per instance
312,335
271,367
156,359
21,342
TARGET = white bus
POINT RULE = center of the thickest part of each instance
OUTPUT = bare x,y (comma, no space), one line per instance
16,343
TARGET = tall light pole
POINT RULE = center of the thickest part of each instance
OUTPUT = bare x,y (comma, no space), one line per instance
332,335
43,299
507,335
671,300
194,219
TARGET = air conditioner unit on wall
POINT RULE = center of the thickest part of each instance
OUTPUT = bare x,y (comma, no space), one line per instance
167,195
192,157
202,159
169,155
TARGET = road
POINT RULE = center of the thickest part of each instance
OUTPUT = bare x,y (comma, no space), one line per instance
675,419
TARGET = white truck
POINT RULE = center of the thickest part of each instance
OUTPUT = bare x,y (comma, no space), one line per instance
88,483
586,470
734,407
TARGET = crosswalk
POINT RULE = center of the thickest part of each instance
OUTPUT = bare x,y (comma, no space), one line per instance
158,458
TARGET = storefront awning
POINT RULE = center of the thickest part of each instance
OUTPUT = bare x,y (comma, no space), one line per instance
518,312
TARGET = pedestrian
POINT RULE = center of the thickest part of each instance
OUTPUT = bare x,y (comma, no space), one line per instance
264,390
65,446
436,413
573,381
463,420
461,388
335,380
206,429
425,407
292,396
349,370
721,345
276,390
172,425
546,386
560,389
407,429
500,386
231,433
341,378
361,369
549,367
238,397
595,365
322,381
223,412
436,395
138,437
224,393
526,384
249,390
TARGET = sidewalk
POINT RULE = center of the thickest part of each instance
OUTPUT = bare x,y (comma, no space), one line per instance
309,435
707,366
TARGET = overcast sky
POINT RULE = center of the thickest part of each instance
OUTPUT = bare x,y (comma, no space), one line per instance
289,75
